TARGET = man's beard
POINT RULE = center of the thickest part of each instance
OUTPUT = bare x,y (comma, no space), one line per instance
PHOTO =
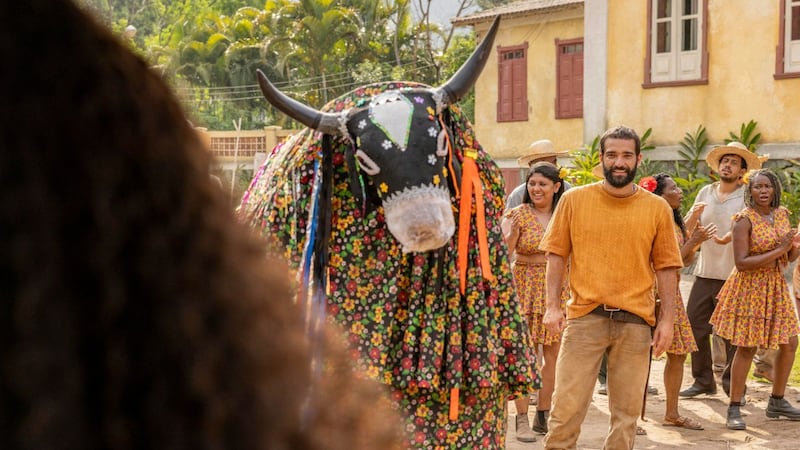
620,181
729,179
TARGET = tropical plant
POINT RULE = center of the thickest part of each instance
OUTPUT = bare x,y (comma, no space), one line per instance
584,160
690,173
692,146
746,135
789,174
647,166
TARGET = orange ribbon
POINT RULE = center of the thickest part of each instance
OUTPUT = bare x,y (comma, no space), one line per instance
470,183
454,403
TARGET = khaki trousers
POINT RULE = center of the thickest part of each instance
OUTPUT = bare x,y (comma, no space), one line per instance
584,341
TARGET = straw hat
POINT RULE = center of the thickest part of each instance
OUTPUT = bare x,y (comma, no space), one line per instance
733,148
538,150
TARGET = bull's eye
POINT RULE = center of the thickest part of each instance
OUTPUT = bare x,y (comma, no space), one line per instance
441,144
367,164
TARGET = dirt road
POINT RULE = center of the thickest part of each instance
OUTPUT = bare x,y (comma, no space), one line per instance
761,433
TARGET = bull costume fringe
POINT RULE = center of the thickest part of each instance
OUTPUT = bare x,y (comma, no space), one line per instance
450,344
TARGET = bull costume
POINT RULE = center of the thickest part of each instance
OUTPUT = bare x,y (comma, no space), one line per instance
390,210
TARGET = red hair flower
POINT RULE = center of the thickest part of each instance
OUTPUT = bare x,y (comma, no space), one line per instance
648,183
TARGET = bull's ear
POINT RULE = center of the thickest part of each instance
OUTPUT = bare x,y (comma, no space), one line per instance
461,82
325,122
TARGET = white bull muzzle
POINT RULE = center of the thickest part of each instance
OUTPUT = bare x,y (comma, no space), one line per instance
420,217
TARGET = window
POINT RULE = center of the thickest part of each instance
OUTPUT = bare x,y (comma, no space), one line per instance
677,53
569,76
787,62
512,89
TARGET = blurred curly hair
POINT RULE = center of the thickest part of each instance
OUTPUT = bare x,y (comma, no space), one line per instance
136,313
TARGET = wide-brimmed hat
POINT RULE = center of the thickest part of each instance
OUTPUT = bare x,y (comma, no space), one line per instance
538,150
733,148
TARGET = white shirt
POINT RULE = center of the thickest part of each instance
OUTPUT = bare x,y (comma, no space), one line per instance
716,261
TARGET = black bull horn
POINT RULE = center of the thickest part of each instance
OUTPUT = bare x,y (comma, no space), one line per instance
330,123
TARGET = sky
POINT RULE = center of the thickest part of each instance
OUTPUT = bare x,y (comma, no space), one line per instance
444,10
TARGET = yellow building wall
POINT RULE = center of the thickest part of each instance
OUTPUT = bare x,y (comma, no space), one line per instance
742,38
509,140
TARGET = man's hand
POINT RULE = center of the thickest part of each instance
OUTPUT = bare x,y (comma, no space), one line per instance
662,337
554,320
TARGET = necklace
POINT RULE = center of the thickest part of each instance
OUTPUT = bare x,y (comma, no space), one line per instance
768,217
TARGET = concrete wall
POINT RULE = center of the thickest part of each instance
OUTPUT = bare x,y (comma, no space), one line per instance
742,37
505,141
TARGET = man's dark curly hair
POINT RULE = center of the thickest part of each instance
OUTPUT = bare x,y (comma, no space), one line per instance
136,313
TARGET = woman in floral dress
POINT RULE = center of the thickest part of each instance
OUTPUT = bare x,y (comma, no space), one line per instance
523,228
683,341
754,308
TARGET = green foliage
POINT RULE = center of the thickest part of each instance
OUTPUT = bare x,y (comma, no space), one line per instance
461,47
789,175
486,4
746,135
691,151
690,173
584,160
646,166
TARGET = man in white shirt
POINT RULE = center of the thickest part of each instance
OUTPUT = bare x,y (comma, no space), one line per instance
715,203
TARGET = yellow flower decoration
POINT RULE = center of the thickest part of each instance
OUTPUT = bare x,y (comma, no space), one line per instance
436,180
384,187
746,177
563,173
430,110
444,172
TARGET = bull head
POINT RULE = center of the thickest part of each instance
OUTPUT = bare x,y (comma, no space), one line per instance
401,145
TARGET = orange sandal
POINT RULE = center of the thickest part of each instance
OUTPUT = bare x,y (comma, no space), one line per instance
683,422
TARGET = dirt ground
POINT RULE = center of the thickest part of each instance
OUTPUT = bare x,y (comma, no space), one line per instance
761,433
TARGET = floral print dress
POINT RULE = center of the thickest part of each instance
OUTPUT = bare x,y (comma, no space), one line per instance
529,278
683,341
402,314
754,308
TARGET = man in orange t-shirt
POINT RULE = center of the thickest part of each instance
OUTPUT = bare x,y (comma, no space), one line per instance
619,240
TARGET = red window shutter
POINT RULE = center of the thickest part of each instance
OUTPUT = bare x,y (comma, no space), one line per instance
512,89
569,79
520,89
577,84
505,91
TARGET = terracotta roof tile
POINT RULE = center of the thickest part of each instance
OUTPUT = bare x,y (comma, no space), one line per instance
520,8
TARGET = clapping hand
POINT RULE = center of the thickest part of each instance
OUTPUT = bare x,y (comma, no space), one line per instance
696,210
704,233
789,240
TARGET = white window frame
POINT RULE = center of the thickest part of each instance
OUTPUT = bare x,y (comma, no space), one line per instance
677,64
791,56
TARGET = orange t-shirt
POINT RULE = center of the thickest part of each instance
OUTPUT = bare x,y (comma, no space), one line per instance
614,245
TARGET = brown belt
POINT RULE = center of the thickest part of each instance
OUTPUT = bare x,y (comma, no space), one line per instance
619,315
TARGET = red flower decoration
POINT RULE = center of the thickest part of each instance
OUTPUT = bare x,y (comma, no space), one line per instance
648,183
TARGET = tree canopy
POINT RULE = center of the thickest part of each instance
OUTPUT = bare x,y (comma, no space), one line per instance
314,50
